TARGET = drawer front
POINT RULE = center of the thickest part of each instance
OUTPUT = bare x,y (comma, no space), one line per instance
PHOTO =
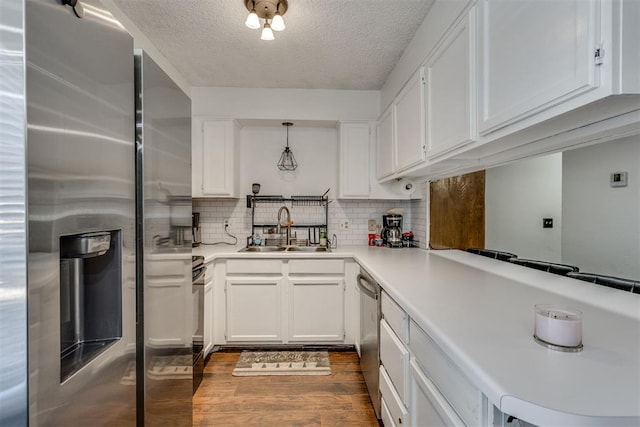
258,266
162,268
395,358
316,266
456,388
428,406
385,414
396,408
395,317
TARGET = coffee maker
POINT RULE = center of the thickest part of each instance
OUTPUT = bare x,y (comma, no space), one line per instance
392,231
195,229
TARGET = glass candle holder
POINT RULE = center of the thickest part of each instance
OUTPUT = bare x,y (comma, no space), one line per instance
558,328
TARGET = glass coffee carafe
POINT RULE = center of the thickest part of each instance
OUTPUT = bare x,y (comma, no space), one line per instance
392,231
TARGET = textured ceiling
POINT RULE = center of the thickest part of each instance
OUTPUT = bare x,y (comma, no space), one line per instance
328,44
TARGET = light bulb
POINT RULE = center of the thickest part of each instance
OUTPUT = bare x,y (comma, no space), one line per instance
277,23
252,21
267,34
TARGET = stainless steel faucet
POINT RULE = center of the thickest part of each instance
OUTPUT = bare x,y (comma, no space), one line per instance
278,228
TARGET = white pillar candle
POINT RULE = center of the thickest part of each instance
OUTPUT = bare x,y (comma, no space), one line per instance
558,325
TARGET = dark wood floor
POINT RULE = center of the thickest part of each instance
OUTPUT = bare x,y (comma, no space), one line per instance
339,399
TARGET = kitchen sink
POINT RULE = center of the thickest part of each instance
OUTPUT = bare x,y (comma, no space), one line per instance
262,249
307,249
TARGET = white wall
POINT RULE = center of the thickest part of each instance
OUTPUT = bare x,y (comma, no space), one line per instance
517,197
601,231
315,150
285,104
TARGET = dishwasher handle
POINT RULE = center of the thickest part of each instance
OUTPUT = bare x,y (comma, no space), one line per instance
365,286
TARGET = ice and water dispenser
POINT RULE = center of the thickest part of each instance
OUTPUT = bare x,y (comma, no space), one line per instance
90,297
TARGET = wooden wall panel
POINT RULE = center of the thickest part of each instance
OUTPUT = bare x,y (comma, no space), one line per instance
457,212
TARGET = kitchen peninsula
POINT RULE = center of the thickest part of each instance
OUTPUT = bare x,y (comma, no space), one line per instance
478,315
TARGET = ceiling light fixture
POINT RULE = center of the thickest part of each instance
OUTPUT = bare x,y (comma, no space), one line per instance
287,161
269,10
267,34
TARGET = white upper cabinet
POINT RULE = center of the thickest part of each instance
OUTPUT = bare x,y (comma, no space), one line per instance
534,55
214,159
409,124
358,177
385,145
355,142
450,90
509,79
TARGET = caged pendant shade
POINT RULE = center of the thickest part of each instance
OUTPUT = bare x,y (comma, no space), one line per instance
287,161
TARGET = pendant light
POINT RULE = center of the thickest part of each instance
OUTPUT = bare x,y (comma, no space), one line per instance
287,160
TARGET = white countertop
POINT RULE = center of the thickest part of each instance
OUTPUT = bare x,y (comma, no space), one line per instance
481,312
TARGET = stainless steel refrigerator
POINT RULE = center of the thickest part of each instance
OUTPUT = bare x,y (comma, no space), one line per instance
100,201
163,138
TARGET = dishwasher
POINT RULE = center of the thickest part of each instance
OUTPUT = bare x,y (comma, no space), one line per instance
370,313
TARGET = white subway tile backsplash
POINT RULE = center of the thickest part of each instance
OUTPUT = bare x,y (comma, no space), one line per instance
356,212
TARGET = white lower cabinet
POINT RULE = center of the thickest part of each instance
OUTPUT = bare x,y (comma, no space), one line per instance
395,358
283,301
419,384
208,310
397,411
385,414
316,309
253,310
394,362
428,406
168,303
468,401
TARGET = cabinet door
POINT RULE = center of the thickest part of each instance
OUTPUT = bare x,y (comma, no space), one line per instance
354,159
168,303
409,124
253,309
450,90
428,406
384,151
534,55
218,159
316,309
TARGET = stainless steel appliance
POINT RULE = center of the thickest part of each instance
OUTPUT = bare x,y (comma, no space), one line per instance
197,293
73,339
195,229
80,122
392,231
370,313
163,163
13,228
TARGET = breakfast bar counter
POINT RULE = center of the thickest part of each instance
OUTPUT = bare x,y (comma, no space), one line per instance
480,312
